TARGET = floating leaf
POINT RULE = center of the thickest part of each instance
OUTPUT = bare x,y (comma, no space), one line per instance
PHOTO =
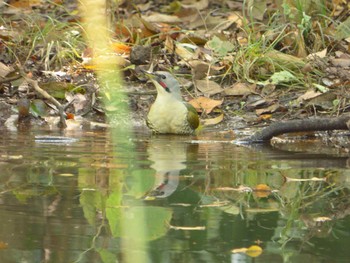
254,251
3,245
262,190
188,227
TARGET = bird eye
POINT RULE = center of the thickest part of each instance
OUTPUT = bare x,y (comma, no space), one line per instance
163,76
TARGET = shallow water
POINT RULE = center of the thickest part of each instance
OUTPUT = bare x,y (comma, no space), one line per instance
97,197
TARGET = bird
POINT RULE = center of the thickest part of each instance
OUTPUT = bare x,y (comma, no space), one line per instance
170,114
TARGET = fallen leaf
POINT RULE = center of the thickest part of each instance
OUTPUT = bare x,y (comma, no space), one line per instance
279,78
213,121
161,18
257,9
270,109
310,94
186,51
121,48
265,117
219,46
208,87
5,70
321,54
340,62
199,5
169,44
193,39
240,89
206,104
321,88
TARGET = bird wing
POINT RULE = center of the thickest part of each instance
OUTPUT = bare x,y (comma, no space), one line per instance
192,116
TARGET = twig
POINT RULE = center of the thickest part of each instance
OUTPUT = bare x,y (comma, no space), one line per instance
46,95
10,79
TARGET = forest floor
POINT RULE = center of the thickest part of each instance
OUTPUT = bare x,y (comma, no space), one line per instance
240,64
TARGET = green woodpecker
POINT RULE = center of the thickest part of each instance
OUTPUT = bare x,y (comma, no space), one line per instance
169,113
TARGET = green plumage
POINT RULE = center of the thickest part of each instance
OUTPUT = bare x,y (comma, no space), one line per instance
169,113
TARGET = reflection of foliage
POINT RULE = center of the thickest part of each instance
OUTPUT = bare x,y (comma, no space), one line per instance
309,201
120,211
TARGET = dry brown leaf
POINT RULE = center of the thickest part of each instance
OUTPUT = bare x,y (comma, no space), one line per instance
199,5
193,39
121,48
24,4
237,18
205,104
213,121
5,70
240,89
265,117
321,54
185,53
169,44
310,94
340,62
162,18
270,109
201,70
208,87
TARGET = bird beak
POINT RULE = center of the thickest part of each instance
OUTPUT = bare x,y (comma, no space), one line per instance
148,73
155,80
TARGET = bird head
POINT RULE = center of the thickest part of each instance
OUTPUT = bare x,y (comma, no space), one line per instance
165,83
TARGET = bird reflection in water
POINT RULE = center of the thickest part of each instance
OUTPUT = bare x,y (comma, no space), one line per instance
169,156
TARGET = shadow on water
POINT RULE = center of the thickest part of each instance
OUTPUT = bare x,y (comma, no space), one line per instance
92,199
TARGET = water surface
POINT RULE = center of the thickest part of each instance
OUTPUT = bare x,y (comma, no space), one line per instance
100,198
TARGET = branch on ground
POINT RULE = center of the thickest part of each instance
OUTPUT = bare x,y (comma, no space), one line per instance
34,84
317,124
